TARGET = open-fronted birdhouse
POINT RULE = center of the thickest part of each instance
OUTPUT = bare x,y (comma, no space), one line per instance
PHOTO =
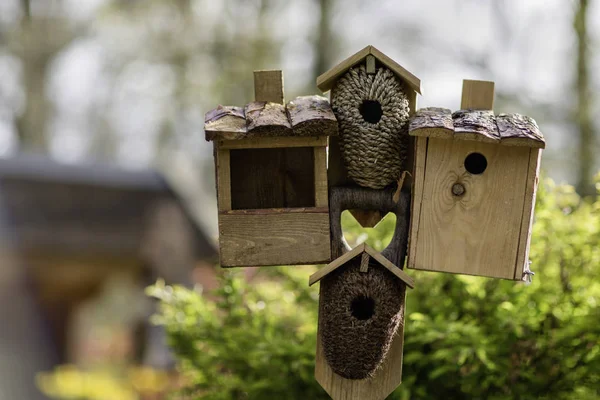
361,325
372,98
475,182
271,166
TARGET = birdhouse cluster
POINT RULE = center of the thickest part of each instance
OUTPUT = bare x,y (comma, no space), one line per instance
462,186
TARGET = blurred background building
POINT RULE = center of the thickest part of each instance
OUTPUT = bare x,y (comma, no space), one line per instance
106,182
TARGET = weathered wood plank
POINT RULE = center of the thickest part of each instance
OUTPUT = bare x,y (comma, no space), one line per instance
370,64
223,179
475,125
274,142
533,173
338,262
477,95
278,239
268,119
225,122
475,233
432,122
321,189
519,130
417,197
312,116
268,86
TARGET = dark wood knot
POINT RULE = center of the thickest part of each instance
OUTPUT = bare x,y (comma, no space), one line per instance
458,189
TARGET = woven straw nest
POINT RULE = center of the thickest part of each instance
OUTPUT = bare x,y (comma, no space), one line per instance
359,316
372,112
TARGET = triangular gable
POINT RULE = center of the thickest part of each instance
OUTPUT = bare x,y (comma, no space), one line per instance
326,81
358,250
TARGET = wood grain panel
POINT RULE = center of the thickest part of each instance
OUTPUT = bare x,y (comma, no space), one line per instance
477,233
527,218
277,239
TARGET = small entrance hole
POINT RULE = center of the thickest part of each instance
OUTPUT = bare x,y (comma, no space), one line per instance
475,163
371,111
362,308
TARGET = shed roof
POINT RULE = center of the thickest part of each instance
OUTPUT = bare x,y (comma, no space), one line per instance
326,81
478,125
358,250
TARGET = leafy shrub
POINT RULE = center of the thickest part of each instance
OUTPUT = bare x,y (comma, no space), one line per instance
465,337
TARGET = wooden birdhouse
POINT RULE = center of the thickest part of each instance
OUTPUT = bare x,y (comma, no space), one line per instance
475,182
271,167
361,325
372,98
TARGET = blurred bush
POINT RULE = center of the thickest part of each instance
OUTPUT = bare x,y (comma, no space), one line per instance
465,337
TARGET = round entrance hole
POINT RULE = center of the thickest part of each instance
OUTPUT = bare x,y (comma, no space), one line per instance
362,308
371,111
475,163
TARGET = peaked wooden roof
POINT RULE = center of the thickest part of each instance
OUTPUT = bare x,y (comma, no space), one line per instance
326,81
358,250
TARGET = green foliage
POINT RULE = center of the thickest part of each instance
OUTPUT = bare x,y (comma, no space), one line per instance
465,337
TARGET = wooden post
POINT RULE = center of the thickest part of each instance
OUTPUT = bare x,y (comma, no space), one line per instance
268,86
477,95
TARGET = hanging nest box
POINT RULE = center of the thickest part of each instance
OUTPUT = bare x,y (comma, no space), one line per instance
271,165
372,98
474,188
361,310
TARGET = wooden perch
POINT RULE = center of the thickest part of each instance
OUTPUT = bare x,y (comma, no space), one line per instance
225,122
519,130
475,125
267,119
312,116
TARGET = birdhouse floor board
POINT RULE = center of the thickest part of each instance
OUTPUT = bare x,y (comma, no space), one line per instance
275,239
477,233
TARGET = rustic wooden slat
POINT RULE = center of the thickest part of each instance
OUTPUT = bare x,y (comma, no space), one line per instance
278,239
417,198
274,142
475,125
477,95
413,82
527,218
223,179
519,130
311,116
274,211
432,122
321,189
455,233
267,119
225,122
268,86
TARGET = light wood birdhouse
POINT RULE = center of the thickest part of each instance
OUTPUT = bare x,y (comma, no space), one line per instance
475,182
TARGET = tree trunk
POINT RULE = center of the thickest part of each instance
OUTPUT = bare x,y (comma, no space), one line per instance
583,116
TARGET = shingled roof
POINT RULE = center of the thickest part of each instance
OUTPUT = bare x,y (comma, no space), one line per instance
479,125
303,116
